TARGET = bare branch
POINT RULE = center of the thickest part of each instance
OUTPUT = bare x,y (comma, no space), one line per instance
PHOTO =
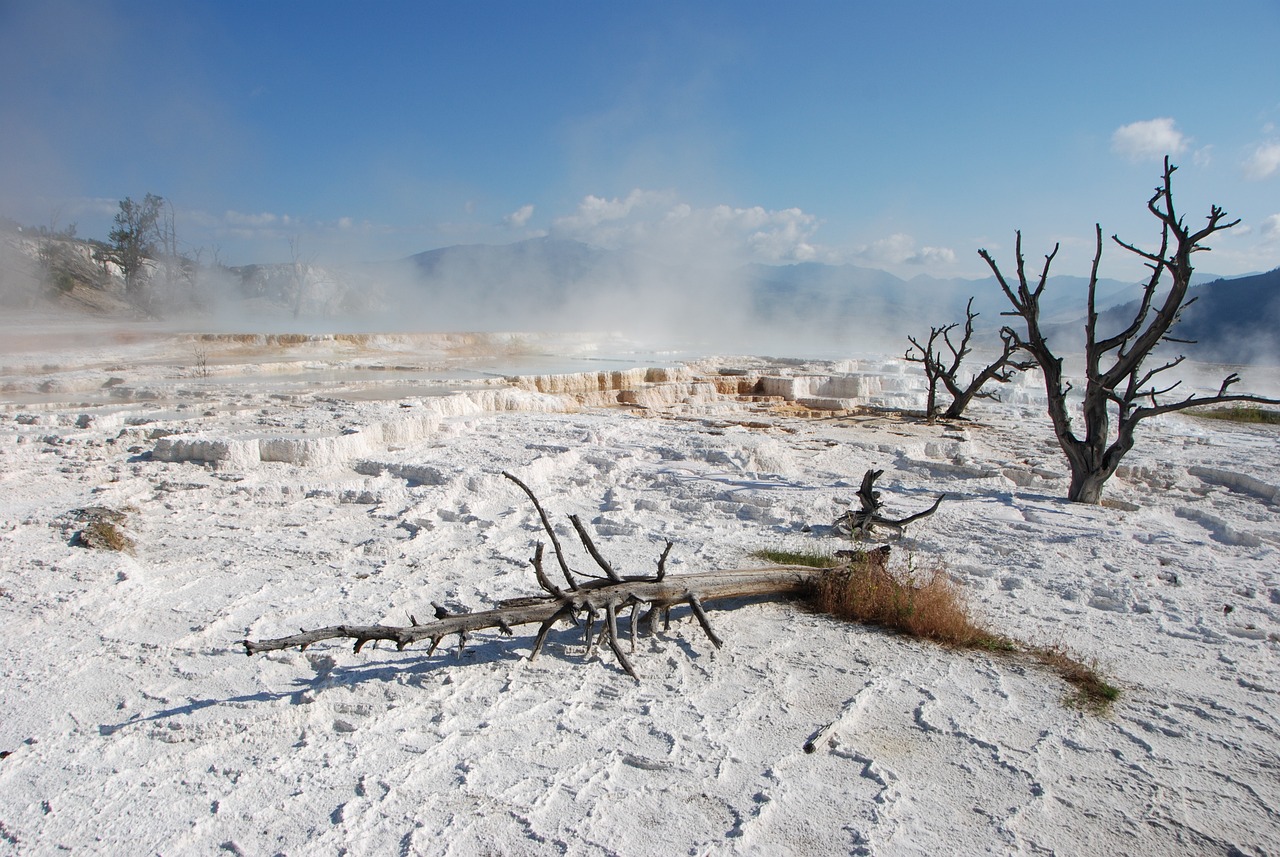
696,606
860,522
596,596
936,371
546,525
611,616
1197,401
591,549
662,561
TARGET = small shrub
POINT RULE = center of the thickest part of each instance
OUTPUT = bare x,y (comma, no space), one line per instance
106,535
100,529
1092,692
201,364
932,607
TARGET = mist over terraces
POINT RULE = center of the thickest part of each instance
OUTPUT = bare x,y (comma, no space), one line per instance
560,285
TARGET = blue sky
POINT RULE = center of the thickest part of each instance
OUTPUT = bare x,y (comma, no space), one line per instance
902,135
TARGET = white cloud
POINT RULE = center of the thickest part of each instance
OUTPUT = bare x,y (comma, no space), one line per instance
518,218
1271,228
658,222
595,212
236,218
1152,138
781,235
1264,162
933,256
900,249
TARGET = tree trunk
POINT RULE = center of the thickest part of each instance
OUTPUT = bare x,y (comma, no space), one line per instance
1087,487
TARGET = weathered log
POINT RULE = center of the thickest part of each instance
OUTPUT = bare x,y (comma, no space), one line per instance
592,597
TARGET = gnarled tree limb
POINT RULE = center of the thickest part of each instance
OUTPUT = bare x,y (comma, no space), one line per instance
860,522
597,596
938,368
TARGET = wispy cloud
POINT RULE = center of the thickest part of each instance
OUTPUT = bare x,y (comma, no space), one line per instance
1263,162
265,218
901,249
649,220
519,218
1151,138
1270,229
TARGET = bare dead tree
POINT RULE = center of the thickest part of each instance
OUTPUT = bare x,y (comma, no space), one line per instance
944,367
1116,377
584,598
860,522
932,363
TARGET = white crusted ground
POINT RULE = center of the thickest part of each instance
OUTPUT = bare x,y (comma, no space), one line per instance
134,723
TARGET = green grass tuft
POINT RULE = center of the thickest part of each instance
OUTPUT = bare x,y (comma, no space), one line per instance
1093,693
1241,414
810,559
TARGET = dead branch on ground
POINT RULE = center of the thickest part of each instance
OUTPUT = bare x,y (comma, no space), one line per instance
860,522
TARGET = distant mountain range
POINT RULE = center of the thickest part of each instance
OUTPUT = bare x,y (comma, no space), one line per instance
922,301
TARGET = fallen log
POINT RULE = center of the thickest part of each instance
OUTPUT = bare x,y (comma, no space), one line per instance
591,598
860,588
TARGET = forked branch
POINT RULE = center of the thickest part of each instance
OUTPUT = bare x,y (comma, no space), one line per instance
943,367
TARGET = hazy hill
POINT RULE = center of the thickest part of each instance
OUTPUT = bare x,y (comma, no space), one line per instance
547,279
850,292
1232,320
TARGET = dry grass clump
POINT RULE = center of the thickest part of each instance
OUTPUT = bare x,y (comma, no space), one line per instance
106,535
928,605
100,529
932,606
